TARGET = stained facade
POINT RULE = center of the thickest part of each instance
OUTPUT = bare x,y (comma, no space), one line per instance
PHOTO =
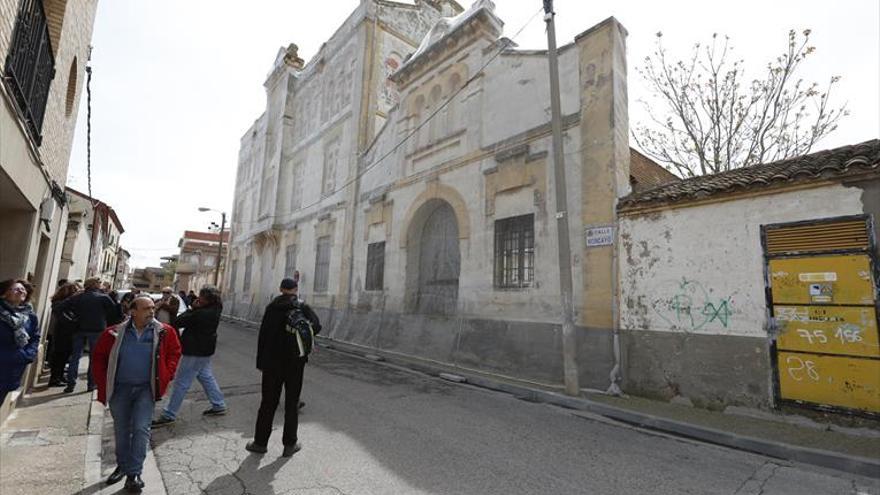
403,172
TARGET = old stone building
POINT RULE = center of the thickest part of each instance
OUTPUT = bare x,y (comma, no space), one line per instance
44,46
404,173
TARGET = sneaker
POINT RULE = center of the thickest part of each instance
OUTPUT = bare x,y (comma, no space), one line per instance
220,411
256,448
162,421
289,450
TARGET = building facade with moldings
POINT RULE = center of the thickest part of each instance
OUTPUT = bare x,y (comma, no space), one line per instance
404,176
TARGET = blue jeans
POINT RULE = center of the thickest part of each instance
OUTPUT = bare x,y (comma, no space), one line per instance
76,353
193,367
132,410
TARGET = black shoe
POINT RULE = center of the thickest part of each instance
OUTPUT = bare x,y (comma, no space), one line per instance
134,484
256,448
68,389
289,450
116,476
301,405
92,388
162,421
214,412
57,383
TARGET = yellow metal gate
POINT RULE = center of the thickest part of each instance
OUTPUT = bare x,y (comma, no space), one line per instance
823,298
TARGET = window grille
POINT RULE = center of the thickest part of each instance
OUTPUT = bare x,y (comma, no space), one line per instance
322,264
375,279
248,268
30,65
290,260
515,252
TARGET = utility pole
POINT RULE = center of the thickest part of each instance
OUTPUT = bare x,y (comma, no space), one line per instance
569,343
219,248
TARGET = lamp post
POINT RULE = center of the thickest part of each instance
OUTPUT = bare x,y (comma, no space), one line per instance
220,243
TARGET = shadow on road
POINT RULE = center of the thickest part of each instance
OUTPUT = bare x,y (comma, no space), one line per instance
249,477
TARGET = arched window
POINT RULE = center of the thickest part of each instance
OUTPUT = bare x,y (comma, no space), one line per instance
418,115
435,126
71,88
455,100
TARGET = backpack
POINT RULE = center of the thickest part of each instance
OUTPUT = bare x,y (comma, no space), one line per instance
301,329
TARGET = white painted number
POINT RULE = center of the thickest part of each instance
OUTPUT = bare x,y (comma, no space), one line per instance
849,335
796,370
815,335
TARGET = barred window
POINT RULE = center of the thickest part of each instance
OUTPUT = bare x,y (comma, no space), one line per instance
30,65
290,260
248,268
515,252
322,264
375,266
233,275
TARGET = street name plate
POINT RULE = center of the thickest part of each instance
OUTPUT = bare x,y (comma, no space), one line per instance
599,236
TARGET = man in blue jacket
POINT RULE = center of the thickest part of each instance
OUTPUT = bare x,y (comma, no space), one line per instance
94,312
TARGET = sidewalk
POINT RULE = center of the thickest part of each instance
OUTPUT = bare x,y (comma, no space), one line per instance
54,443
783,436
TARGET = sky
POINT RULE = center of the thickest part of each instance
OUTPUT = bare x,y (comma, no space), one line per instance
175,84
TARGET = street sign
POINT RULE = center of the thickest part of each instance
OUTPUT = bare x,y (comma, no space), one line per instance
602,235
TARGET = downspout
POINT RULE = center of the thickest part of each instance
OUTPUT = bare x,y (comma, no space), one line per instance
615,375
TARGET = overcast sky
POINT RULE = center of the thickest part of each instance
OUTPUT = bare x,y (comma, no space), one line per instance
176,83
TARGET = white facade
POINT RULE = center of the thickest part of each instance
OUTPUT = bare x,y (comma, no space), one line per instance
444,138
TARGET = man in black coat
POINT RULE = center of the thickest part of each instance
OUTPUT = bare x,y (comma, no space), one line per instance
278,359
199,341
94,312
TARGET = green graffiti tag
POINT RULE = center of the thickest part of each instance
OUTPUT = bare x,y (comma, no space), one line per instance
691,307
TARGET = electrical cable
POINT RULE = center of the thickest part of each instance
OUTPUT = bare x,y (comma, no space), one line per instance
506,42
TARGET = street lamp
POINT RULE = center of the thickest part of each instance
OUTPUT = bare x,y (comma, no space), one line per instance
219,244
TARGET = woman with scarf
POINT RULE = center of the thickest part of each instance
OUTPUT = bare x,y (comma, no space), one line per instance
19,333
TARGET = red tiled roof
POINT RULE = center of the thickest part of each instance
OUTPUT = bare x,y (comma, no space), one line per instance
845,161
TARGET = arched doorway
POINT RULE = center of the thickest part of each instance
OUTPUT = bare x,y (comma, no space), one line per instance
433,259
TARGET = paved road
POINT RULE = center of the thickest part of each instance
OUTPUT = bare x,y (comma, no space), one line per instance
372,429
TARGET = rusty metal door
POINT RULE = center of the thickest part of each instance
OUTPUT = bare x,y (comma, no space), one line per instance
439,263
823,299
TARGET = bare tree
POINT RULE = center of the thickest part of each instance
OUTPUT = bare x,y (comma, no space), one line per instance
705,118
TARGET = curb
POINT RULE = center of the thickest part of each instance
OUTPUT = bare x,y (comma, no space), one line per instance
851,464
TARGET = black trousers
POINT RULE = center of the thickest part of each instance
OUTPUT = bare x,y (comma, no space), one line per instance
291,379
62,346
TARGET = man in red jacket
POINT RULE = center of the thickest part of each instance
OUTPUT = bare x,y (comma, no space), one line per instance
132,365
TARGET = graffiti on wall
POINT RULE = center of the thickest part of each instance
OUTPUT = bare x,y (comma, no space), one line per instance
688,306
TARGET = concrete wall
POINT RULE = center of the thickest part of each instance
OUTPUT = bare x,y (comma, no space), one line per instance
709,254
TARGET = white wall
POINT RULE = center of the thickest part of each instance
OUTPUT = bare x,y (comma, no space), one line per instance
709,258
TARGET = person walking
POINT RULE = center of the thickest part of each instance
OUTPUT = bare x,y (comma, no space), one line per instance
62,329
199,339
133,363
94,311
280,360
19,333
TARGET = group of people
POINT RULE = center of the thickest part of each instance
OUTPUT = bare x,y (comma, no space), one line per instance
134,356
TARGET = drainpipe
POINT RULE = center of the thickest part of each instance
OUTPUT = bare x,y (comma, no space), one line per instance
615,376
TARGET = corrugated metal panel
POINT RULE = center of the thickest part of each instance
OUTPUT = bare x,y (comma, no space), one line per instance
820,237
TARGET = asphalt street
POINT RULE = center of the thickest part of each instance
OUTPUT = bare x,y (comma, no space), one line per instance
369,428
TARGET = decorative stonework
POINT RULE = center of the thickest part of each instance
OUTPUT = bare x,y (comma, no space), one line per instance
516,168
436,190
